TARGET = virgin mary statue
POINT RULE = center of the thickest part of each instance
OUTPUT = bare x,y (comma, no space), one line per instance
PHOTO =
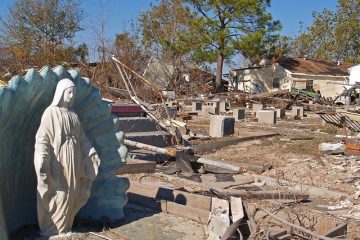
65,163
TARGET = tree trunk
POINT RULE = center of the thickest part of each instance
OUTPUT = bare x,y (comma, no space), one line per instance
219,68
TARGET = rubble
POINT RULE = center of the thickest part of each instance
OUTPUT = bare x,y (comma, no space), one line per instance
241,165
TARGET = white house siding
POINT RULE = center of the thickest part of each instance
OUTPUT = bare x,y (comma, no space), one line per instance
258,80
354,74
261,80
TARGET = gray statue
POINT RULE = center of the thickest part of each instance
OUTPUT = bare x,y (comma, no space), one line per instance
65,163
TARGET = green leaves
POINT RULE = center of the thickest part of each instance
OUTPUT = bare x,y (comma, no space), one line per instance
227,27
36,31
334,35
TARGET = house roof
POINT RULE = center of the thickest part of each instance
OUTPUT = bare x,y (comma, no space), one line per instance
309,66
316,67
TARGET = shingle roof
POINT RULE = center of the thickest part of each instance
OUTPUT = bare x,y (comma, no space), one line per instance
316,67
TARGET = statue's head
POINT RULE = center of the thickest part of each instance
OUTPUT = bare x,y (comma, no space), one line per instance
64,94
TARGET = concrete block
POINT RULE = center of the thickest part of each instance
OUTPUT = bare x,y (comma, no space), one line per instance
221,125
208,110
298,111
267,116
170,104
257,107
196,106
280,113
222,106
239,114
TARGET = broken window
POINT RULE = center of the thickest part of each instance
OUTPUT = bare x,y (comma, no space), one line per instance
276,82
309,85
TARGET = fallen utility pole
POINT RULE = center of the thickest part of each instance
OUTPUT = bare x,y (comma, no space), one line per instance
150,148
190,157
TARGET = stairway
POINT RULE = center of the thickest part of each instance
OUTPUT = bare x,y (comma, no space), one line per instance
143,130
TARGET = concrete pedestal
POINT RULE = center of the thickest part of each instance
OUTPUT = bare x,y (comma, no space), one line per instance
221,125
267,116
257,107
239,114
280,113
209,110
196,106
222,106
298,111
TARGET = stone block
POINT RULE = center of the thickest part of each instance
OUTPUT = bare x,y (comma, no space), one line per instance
170,104
221,125
298,111
280,113
257,107
196,106
239,114
267,116
208,110
222,106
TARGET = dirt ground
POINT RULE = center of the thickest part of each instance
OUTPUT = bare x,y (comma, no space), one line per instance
295,156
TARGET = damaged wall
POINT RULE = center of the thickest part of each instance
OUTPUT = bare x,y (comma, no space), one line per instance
275,77
263,79
21,106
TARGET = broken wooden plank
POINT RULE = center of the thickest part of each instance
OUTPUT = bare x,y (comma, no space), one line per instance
294,225
261,194
237,210
137,166
206,147
338,232
313,191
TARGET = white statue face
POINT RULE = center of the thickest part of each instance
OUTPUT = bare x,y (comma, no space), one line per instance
69,96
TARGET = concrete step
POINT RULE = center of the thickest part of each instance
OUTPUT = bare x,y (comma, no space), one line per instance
127,110
136,124
155,138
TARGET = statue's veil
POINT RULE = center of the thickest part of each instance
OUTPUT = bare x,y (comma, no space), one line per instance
60,88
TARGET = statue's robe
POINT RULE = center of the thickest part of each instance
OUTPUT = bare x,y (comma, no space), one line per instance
65,165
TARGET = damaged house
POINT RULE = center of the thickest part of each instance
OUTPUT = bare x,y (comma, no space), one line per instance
189,80
293,73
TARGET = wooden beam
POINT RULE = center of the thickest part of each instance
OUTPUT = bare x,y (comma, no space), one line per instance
338,232
137,166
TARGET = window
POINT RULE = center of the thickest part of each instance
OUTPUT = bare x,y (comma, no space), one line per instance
276,82
309,85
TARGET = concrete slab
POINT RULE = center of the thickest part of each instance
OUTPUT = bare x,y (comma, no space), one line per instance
135,124
221,125
143,223
267,116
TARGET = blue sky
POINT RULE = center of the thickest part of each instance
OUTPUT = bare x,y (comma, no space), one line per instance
118,13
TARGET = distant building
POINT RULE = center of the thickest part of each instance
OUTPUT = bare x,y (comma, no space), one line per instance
288,73
354,73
